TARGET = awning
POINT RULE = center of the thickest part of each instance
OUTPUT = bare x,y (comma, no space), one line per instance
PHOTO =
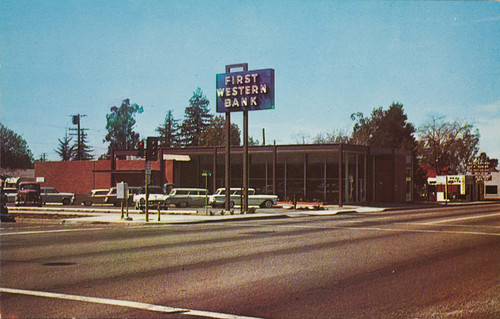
175,157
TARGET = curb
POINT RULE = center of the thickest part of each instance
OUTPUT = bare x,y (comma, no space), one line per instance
179,221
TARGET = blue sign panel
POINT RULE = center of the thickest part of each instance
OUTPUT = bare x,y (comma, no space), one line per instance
245,91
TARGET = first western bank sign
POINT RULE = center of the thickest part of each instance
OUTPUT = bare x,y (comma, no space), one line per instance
245,91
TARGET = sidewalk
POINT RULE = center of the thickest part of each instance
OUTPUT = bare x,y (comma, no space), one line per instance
110,215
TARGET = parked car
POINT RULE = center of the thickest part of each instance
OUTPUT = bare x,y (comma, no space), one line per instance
10,194
51,195
185,197
4,211
264,201
111,196
156,196
95,196
28,193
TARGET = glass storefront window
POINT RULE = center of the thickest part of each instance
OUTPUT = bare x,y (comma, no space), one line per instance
354,177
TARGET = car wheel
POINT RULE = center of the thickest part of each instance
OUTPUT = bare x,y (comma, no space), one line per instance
183,204
65,201
267,204
231,204
88,203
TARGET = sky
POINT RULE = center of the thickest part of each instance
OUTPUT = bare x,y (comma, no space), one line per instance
331,59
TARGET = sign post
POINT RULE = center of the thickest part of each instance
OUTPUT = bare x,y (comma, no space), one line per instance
206,174
147,174
242,92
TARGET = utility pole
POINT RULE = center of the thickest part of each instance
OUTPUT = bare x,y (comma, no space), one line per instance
79,134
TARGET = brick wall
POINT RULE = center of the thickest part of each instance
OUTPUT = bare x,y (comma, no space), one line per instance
73,176
82,176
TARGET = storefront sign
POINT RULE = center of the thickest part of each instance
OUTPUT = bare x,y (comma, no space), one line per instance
245,91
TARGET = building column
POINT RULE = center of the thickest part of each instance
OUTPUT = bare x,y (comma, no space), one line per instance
325,179
275,160
341,151
214,169
305,176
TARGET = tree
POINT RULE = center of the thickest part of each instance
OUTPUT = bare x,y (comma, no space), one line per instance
252,141
384,128
169,130
332,138
65,151
120,126
444,146
493,162
84,152
14,153
215,133
302,137
196,119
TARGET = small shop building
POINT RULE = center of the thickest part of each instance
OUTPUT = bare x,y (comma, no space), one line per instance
492,186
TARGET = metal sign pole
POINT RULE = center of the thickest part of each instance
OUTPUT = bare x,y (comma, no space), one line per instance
244,204
228,161
206,174
245,156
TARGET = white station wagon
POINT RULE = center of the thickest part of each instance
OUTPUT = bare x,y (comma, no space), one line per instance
186,197
264,201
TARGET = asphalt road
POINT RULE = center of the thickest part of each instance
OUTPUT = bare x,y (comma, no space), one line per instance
425,263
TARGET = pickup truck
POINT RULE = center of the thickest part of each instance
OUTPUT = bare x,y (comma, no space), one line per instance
51,195
28,193
264,201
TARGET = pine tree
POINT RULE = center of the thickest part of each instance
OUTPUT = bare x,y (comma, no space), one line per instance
196,119
65,151
169,131
84,152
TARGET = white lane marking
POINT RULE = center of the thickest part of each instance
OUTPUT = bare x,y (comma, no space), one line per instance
460,218
454,225
46,231
394,229
421,231
123,303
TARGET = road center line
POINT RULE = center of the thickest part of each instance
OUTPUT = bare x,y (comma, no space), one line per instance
420,230
123,303
31,232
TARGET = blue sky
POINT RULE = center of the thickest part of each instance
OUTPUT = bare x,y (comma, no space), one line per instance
331,59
